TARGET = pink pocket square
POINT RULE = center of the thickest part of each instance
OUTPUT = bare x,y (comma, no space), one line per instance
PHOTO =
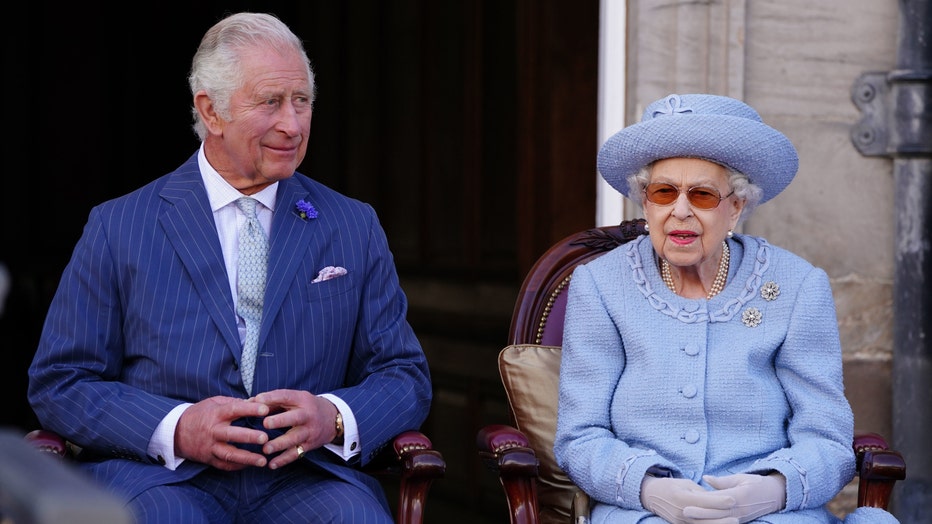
329,272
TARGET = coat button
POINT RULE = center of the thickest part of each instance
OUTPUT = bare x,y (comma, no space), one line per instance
691,349
691,436
689,390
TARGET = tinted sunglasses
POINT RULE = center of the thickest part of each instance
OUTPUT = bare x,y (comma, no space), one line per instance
699,197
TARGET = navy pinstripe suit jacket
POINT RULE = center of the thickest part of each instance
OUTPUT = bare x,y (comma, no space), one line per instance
143,320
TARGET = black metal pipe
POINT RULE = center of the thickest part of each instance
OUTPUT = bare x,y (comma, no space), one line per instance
897,123
911,141
912,349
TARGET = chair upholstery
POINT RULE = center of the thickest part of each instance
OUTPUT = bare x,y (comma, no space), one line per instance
411,461
536,489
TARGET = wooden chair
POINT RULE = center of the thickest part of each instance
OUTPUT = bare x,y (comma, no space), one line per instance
536,489
411,461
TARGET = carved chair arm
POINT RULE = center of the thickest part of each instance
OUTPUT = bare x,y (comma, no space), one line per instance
879,467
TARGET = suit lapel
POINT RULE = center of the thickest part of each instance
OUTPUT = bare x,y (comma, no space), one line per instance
290,237
189,226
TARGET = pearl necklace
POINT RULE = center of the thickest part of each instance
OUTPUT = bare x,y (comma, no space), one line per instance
717,285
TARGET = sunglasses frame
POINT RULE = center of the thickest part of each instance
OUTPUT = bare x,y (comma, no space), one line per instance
689,195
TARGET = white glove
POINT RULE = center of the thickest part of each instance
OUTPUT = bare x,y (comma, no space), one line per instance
754,496
667,498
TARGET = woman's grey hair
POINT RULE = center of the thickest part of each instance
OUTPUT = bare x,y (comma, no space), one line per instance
217,67
738,181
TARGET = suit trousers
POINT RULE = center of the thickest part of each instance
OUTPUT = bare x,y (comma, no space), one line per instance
297,493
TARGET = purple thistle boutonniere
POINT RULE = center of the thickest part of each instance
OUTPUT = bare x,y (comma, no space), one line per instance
305,210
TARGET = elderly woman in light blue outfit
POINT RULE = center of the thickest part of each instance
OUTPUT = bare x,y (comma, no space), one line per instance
701,377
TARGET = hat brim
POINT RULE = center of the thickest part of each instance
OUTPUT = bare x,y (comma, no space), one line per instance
759,151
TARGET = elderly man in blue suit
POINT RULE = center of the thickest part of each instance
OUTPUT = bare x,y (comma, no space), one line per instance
186,405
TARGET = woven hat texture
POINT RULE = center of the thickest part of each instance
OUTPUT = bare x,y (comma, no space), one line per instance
711,127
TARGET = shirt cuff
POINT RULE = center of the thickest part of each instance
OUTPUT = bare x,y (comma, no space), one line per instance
350,447
162,443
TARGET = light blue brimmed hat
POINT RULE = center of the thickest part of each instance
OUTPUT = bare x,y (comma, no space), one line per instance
711,127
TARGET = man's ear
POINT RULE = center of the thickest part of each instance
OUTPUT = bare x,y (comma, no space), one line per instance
205,108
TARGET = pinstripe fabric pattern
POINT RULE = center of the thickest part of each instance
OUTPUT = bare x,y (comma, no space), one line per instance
298,494
144,319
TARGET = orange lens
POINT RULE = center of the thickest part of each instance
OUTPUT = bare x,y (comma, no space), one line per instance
663,194
699,197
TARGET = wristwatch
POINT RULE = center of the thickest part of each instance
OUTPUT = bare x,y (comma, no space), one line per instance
338,440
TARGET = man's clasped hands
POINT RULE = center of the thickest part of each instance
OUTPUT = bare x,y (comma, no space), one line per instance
207,432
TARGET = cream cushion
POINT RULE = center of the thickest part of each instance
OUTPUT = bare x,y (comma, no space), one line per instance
531,376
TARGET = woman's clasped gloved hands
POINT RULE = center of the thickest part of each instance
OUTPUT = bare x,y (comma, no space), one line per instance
736,499
755,495
671,497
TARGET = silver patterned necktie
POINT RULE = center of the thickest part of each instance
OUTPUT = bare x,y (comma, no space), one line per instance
250,285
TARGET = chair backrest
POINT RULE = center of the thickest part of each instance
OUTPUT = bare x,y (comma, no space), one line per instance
541,303
530,365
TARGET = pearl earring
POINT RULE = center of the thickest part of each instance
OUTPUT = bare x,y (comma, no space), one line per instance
731,233
646,227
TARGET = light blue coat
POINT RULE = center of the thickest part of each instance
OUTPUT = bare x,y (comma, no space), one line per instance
747,382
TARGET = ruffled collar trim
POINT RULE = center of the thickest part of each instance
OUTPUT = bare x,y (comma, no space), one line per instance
744,282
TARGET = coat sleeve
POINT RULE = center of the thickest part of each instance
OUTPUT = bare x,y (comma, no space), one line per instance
74,384
592,362
388,383
818,462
